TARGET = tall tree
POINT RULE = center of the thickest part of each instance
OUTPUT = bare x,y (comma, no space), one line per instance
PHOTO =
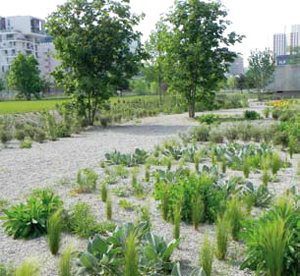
24,76
98,48
196,54
261,68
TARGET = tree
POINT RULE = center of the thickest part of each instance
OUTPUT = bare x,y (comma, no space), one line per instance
241,82
98,48
261,68
196,54
24,76
2,84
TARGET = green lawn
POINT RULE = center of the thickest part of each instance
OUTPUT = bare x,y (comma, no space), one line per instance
12,107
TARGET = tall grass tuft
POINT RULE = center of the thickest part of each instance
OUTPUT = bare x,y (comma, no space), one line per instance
197,161
224,164
131,257
29,267
64,268
169,163
54,228
275,163
197,210
291,145
234,215
265,177
222,231
145,214
246,167
147,172
108,208
104,191
177,220
165,205
206,255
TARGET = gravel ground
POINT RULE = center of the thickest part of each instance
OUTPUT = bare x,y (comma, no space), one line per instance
44,165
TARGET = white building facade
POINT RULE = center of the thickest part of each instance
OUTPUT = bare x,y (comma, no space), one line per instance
279,44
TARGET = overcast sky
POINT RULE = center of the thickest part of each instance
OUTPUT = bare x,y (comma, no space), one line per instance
258,20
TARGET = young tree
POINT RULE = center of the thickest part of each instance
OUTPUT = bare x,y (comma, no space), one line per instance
196,53
24,76
261,68
241,82
2,85
98,48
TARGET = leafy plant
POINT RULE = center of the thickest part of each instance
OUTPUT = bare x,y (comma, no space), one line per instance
30,220
206,255
196,272
25,144
208,119
128,206
261,197
87,180
54,231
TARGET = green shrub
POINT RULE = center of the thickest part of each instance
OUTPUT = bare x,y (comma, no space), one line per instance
251,115
39,136
208,119
131,257
29,267
20,135
54,231
200,133
25,144
81,220
5,137
216,136
206,255
64,268
231,133
275,163
87,180
30,220
222,236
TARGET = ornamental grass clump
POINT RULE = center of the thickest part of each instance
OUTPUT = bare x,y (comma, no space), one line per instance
275,163
87,180
246,166
54,231
197,210
147,172
64,266
206,255
104,191
131,257
197,161
177,220
109,208
29,267
222,229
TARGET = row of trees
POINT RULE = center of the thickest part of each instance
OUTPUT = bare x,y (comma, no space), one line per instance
100,51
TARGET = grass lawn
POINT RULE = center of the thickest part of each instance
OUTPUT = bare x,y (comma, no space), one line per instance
12,107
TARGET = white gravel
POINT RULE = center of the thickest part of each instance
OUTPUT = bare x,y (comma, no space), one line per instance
44,165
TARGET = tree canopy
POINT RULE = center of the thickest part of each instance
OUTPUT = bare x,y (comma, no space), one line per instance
261,68
98,48
194,48
24,76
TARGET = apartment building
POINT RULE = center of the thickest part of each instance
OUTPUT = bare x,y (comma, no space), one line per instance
237,67
279,44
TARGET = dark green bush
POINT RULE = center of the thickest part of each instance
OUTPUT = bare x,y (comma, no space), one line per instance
251,115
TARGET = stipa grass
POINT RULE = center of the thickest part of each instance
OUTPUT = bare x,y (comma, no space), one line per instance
104,191
54,231
197,210
109,208
177,220
131,257
206,255
64,268
222,229
29,267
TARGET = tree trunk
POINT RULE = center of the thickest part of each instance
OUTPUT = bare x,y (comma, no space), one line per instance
191,108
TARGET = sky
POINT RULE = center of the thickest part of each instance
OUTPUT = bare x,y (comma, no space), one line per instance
258,20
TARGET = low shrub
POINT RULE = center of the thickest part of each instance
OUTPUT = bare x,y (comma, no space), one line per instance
251,115
216,136
208,119
25,144
201,133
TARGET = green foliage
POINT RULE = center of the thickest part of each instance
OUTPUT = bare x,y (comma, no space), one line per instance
193,60
87,180
260,197
104,191
275,163
206,255
30,220
7,270
251,115
234,214
29,267
20,135
272,240
261,68
5,136
127,205
25,144
54,228
131,257
64,267
145,214
147,172
208,119
177,220
196,272
24,76
96,50
108,208
197,210
216,136
200,133
222,236
81,220
246,167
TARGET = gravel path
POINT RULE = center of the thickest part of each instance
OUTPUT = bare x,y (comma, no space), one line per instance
46,164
